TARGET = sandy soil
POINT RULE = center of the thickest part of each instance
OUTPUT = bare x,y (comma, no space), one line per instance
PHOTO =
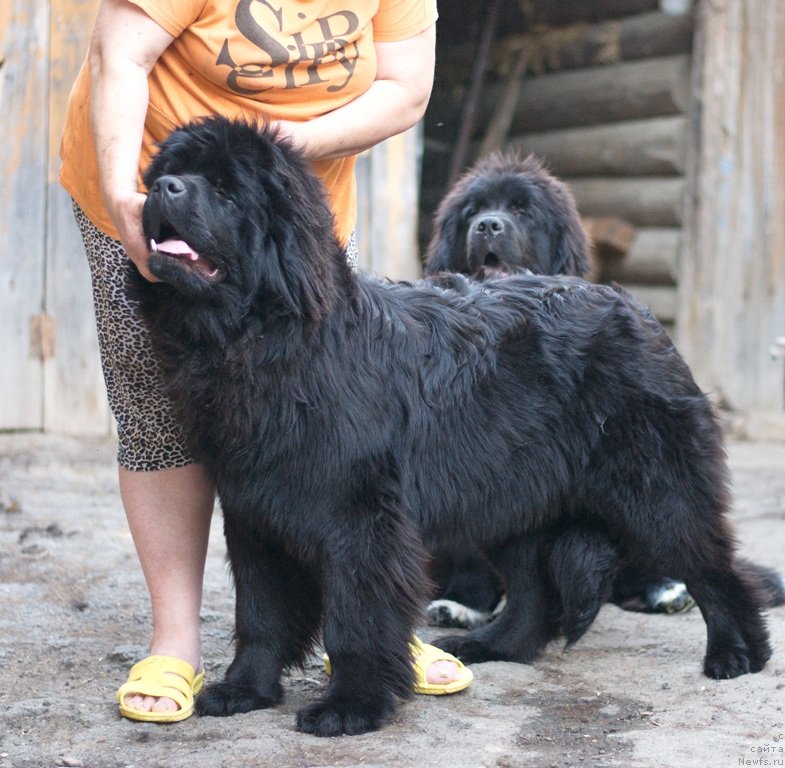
74,617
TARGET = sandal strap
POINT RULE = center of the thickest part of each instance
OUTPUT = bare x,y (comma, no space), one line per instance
160,676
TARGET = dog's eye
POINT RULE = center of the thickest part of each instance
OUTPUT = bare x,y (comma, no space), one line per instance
222,193
469,212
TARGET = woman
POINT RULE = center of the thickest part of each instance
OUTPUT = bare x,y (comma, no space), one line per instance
338,77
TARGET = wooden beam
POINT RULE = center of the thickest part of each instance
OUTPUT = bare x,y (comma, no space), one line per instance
643,202
578,45
652,147
558,12
651,259
651,88
661,300
387,204
75,396
23,88
609,235
473,96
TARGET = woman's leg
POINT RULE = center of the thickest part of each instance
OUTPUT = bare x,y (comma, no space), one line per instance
169,514
167,498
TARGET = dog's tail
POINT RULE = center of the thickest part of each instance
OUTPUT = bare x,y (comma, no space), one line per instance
770,584
582,565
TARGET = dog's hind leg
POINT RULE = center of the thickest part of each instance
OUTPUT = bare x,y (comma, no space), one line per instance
277,616
524,627
582,564
737,638
694,543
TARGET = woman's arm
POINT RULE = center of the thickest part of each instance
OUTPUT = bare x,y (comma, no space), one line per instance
395,101
125,44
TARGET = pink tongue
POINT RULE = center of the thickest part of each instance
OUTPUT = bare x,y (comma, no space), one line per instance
179,247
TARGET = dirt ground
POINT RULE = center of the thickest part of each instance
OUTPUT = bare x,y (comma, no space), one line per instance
74,617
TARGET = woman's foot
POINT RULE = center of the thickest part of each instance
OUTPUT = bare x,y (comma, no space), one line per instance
435,672
144,703
442,672
160,688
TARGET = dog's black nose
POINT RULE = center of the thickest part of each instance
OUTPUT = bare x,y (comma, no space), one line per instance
168,185
490,226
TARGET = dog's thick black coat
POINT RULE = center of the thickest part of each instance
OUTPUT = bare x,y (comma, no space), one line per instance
350,422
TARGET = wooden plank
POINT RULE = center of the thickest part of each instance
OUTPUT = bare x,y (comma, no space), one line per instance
74,394
23,47
558,12
591,96
598,95
387,202
643,202
652,147
656,34
732,283
652,259
578,45
609,235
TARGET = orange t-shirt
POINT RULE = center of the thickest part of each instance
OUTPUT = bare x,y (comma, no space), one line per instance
263,59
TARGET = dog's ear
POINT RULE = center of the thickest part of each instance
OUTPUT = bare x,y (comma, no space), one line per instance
298,262
570,248
299,273
437,255
569,245
445,253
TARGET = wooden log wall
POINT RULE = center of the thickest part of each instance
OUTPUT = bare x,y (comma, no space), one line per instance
732,288
74,397
23,86
47,330
606,106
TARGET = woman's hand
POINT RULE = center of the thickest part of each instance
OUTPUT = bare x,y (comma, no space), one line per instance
126,213
395,101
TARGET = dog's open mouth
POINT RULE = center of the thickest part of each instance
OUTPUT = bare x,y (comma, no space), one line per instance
492,266
191,259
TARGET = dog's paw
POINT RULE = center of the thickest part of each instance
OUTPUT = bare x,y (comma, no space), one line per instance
448,613
735,660
222,699
669,596
330,718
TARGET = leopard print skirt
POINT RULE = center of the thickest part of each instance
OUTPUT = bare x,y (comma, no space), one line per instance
149,437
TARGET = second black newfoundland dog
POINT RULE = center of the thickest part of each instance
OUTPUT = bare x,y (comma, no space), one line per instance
504,215
351,423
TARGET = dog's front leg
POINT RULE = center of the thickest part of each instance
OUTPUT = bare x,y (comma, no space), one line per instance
278,610
375,590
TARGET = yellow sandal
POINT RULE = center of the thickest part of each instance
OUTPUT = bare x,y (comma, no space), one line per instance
161,676
423,655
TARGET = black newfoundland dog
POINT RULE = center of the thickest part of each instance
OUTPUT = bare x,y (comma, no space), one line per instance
351,423
504,215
